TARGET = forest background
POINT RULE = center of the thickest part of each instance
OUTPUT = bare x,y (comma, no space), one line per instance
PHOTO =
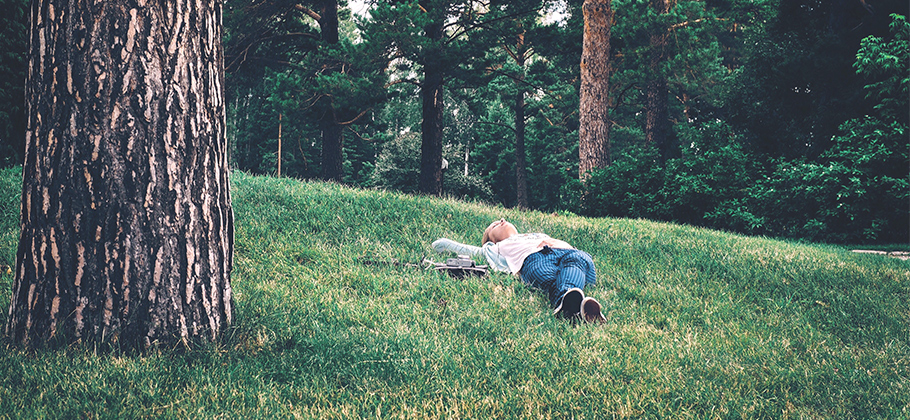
765,117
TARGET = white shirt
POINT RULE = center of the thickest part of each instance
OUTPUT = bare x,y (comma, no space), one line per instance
506,255
518,247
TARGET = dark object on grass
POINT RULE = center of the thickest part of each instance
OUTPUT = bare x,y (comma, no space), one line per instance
455,267
460,267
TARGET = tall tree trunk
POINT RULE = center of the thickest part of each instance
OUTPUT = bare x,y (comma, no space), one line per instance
332,148
127,227
657,115
432,104
332,132
328,21
521,171
595,101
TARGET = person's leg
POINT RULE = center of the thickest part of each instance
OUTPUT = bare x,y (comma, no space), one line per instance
576,269
557,271
539,271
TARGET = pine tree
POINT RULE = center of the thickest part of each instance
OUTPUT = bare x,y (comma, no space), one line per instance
127,231
656,108
594,112
428,45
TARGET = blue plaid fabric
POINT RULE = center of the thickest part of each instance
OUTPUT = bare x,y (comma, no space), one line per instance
555,271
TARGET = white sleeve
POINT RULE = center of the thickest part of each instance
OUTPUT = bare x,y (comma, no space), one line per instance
494,258
447,245
490,252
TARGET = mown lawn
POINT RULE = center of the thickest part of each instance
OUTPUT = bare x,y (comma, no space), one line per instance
701,324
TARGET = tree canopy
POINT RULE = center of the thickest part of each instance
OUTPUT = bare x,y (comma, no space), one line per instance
771,117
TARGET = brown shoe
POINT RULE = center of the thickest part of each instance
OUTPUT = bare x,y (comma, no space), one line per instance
590,311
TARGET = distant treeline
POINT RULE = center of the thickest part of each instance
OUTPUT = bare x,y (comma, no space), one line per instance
773,117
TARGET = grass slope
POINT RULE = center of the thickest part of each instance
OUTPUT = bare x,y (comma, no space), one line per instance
702,324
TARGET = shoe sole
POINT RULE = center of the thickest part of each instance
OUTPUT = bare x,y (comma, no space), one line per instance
590,311
570,305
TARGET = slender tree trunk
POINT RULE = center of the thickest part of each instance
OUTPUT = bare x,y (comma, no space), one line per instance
328,22
521,171
127,227
432,104
595,101
332,149
332,132
657,115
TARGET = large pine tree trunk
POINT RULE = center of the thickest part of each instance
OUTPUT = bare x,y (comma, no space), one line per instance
594,118
127,227
432,105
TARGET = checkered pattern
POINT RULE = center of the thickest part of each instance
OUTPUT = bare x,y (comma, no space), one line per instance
555,271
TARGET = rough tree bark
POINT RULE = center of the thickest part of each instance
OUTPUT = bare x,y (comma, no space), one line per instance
430,181
127,227
595,101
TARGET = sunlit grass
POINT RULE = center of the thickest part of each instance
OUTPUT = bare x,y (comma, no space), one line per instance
701,324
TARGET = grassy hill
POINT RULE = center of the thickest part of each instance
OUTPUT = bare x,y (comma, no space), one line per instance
701,324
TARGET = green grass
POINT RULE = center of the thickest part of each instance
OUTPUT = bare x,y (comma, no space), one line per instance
701,324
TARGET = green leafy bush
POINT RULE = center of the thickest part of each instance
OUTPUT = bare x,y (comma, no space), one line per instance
793,201
859,196
707,185
398,165
633,186
861,193
857,191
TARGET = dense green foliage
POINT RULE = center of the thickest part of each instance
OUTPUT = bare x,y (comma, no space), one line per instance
783,118
13,45
761,140
857,191
701,324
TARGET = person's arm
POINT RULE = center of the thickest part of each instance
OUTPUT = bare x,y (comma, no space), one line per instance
442,245
489,252
494,258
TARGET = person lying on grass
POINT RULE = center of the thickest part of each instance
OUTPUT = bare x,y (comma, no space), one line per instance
542,262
